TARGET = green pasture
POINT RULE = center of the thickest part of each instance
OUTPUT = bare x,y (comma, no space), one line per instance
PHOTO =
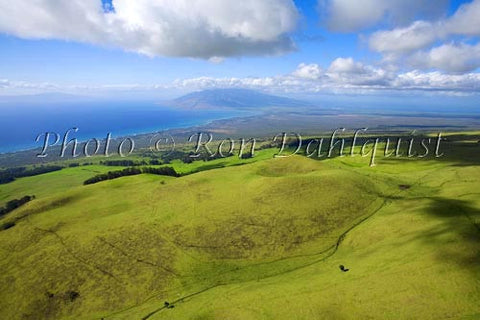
260,238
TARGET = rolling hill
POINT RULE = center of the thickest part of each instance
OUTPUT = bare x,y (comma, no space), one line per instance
263,240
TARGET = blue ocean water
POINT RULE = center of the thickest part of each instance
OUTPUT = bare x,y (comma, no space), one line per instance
20,124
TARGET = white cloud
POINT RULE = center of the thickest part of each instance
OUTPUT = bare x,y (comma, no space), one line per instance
345,80
421,34
416,36
438,81
354,15
343,75
308,71
4,83
183,28
450,57
466,20
413,44
346,66
347,71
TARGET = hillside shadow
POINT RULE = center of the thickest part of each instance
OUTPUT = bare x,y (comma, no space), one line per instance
463,218
210,167
459,150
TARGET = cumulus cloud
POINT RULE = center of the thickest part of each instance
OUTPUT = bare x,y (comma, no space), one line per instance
416,36
450,57
346,66
308,71
343,75
466,20
354,15
422,34
349,72
182,28
437,81
413,44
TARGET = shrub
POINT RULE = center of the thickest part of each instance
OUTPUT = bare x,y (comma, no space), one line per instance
14,204
9,175
247,155
164,171
7,225
123,163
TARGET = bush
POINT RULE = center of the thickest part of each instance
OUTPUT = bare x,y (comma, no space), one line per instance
164,171
14,204
9,175
155,162
247,155
123,163
174,155
7,225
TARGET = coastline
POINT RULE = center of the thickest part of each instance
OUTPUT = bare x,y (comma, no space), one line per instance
269,124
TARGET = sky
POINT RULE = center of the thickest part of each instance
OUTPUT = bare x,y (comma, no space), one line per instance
163,48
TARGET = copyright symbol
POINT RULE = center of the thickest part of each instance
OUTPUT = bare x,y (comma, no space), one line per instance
160,142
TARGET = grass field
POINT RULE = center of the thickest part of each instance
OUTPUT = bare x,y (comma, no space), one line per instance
261,240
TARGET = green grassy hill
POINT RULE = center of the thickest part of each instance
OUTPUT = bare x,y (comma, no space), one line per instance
259,241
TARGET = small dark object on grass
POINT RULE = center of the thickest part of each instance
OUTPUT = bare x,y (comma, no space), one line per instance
72,295
404,186
342,267
168,305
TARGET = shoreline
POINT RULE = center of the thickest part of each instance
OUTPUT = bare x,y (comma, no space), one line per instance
133,133
261,125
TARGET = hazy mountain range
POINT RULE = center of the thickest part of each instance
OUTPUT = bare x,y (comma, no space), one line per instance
234,99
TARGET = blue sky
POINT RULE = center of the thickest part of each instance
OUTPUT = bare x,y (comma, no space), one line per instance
326,46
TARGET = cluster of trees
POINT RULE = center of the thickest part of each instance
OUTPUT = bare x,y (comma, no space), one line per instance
247,155
176,155
187,157
155,162
14,204
266,146
9,175
163,171
76,164
130,163
113,175
123,163
208,157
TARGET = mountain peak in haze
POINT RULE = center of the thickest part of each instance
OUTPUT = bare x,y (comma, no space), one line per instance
233,99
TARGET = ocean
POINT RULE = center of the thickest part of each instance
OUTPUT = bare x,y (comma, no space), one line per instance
20,124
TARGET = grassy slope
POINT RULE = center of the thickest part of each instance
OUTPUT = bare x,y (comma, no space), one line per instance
50,183
257,241
59,181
